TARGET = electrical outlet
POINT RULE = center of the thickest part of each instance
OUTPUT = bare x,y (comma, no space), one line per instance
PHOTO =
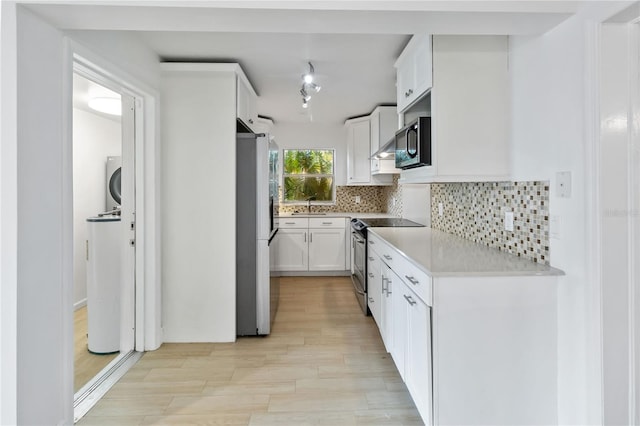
440,209
357,199
508,221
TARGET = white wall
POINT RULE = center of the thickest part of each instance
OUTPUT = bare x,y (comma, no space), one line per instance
199,209
44,229
8,215
315,136
619,195
94,139
552,109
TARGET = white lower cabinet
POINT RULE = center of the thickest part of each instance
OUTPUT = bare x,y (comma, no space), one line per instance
293,250
374,287
405,323
327,249
311,244
418,374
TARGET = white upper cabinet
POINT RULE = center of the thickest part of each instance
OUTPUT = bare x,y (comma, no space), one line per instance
384,123
246,108
358,151
359,154
414,71
263,125
469,108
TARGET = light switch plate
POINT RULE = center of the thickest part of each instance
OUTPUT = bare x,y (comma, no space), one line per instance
357,199
563,184
508,221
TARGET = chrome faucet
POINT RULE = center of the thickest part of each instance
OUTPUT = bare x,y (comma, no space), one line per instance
313,197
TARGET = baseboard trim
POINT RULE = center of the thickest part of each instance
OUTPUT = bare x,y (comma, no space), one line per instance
80,304
315,273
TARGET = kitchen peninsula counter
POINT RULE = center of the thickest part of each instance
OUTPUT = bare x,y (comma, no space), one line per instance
440,254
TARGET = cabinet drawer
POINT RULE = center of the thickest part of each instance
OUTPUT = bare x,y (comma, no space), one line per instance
293,222
387,254
326,222
415,278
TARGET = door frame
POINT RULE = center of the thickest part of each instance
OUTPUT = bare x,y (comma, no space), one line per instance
146,299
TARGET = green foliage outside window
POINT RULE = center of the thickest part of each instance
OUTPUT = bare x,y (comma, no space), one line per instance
308,173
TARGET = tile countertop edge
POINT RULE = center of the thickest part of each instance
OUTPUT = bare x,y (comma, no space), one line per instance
417,244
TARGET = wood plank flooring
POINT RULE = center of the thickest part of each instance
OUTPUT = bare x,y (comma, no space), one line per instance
323,364
85,364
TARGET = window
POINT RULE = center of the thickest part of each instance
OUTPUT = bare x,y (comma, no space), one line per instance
308,174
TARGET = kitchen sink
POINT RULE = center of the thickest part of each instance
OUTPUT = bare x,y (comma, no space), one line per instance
308,214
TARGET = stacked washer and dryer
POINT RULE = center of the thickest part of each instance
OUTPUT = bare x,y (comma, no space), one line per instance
103,267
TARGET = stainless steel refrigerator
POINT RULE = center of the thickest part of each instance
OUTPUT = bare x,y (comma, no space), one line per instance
257,284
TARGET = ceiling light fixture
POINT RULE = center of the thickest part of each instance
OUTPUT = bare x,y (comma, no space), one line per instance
307,85
112,106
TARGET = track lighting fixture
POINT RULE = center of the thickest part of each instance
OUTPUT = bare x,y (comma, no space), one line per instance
307,85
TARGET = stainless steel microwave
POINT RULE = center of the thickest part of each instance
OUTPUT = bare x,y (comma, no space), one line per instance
413,144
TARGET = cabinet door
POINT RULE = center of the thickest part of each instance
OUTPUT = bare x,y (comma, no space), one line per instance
327,249
388,284
405,77
246,105
418,356
358,152
423,68
400,323
374,288
292,250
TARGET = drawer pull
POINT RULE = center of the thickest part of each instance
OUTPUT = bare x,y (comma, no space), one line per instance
386,256
371,242
410,300
412,280
371,258
289,223
371,275
371,300
327,223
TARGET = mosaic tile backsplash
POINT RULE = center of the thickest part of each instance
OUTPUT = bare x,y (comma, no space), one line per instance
371,201
389,193
475,211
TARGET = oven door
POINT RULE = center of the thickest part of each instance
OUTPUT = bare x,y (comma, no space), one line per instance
359,246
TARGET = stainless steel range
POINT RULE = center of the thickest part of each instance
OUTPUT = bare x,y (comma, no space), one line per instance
359,255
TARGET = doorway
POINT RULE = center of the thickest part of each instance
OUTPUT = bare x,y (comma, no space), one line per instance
104,233
97,161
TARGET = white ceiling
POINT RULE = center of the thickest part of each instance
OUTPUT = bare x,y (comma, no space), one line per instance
84,89
352,44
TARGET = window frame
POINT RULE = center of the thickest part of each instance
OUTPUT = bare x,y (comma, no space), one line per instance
331,202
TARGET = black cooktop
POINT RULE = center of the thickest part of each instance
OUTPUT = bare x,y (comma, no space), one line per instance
362,224
391,221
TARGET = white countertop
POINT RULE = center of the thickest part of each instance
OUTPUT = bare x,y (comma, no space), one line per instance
341,214
445,255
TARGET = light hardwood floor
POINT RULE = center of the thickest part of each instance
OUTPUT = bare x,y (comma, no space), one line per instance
323,364
85,364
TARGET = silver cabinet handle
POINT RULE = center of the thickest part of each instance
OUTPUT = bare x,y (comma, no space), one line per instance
386,256
410,300
251,121
327,223
371,300
384,289
289,223
371,242
412,280
371,275
408,93
371,258
305,237
310,237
